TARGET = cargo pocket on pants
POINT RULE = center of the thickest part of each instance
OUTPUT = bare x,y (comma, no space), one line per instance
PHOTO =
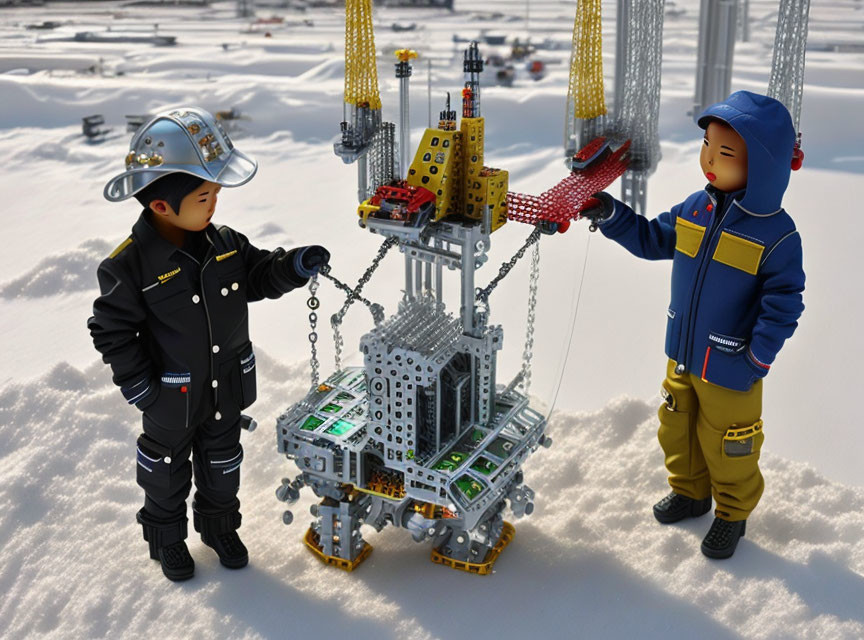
248,384
674,434
154,463
743,442
223,467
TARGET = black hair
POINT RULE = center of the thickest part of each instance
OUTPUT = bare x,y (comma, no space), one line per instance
172,187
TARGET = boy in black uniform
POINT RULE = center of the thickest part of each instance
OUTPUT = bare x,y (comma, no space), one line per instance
172,321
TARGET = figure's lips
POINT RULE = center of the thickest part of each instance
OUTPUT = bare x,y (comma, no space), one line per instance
711,177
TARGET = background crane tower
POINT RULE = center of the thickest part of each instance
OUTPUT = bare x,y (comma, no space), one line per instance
586,102
787,66
245,8
638,55
716,48
361,124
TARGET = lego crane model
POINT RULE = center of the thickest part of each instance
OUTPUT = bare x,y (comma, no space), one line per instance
422,436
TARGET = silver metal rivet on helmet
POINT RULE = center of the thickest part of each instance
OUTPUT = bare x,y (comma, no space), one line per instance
191,141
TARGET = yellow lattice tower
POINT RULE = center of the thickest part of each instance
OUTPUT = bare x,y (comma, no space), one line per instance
361,72
585,92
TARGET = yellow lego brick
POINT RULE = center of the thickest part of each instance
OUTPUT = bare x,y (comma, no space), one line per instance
472,141
437,166
489,188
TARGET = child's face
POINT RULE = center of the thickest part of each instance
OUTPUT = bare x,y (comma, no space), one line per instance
196,208
724,157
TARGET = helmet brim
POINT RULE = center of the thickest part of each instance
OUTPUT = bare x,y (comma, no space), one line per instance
236,171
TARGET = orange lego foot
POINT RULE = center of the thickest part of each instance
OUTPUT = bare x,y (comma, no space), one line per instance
312,541
480,568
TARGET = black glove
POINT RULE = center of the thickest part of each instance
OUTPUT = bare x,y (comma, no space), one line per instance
309,260
597,208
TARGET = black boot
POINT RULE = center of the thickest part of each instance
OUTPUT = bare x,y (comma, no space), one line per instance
168,546
675,507
220,534
722,538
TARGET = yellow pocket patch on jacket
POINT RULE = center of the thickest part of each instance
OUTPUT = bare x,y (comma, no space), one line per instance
739,253
688,237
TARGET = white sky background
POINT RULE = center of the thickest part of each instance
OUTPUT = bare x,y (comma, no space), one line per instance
66,436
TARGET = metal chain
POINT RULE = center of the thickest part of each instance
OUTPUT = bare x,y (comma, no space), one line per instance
354,294
483,294
528,352
313,303
325,271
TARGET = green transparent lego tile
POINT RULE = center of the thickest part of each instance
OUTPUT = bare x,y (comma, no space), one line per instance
451,461
340,427
311,423
470,440
331,407
469,487
484,466
501,447
344,395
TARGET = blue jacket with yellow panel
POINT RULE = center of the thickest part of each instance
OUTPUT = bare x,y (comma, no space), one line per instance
736,257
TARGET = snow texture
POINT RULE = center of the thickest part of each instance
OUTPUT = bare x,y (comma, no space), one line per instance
590,561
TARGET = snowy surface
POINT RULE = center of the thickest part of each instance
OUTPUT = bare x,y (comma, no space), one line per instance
590,561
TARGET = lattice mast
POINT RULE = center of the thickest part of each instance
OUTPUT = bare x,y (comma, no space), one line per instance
245,8
361,111
403,73
744,20
586,102
715,54
637,93
786,83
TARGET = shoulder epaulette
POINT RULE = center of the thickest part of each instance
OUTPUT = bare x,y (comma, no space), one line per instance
228,237
121,247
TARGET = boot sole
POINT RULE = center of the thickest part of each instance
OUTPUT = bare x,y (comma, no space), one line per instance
728,552
237,563
178,576
697,509
228,563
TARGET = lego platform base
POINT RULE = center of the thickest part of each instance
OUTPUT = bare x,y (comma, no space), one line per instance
480,568
311,541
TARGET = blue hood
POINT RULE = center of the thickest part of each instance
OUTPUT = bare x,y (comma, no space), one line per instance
766,126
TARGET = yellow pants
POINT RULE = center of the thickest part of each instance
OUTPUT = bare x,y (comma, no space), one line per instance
712,437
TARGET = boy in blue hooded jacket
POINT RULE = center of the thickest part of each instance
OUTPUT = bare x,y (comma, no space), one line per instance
736,298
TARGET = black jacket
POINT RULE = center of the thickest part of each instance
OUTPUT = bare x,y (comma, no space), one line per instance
174,328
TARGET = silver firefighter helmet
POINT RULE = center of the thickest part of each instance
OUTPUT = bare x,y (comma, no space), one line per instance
187,140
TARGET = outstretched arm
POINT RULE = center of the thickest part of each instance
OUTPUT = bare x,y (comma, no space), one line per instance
649,239
273,273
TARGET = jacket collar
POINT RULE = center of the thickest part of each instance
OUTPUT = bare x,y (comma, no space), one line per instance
726,199
157,247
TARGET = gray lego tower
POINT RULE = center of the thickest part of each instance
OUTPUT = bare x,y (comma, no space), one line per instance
422,436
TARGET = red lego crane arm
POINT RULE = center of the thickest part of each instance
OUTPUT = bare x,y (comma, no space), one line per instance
561,204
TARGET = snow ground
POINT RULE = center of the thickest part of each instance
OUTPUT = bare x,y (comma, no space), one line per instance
590,561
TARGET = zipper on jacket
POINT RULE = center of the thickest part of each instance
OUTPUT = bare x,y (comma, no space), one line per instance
698,280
